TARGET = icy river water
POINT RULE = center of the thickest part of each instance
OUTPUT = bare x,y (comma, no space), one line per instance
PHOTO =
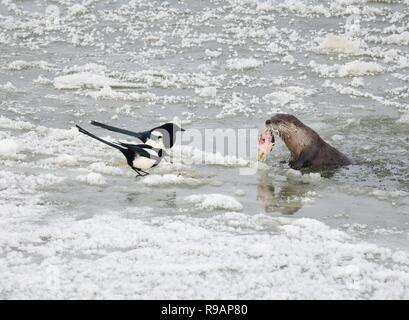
76,223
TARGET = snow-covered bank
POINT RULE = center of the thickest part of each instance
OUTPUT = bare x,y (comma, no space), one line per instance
227,256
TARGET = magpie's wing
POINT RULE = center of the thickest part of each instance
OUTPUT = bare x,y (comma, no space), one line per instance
143,136
141,149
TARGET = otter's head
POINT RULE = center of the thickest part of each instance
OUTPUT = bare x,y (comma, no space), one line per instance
284,124
291,130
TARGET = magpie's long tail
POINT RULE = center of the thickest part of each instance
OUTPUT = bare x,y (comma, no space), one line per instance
139,135
99,139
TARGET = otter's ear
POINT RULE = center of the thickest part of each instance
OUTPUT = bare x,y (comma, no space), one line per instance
268,122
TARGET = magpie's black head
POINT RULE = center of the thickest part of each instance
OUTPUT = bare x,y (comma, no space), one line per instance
166,132
170,127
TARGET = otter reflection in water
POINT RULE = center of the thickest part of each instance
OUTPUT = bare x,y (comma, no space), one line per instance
285,197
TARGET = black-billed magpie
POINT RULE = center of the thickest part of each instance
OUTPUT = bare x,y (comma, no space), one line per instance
139,157
162,137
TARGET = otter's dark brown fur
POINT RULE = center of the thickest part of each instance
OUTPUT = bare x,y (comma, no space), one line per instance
306,146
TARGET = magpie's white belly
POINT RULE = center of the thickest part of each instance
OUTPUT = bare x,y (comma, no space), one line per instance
143,163
155,144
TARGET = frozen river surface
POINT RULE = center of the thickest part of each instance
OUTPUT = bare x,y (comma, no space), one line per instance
76,223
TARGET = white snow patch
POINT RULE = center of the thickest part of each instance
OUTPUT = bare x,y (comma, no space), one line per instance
27,185
93,179
155,180
357,82
360,68
279,97
9,149
386,194
90,67
291,94
18,65
43,80
7,123
400,38
77,10
8,87
214,201
243,63
107,93
313,177
239,192
235,107
212,54
89,80
404,118
65,160
206,92
339,44
105,169
349,69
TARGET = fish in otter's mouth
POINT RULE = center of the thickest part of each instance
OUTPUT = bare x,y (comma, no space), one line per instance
266,142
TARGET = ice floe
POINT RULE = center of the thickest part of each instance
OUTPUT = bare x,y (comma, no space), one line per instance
64,160
404,118
9,149
206,92
339,44
401,38
103,168
155,180
312,177
243,63
18,65
93,179
89,80
107,92
214,202
8,87
360,68
7,123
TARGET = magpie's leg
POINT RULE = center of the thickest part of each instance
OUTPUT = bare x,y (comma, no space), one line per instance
145,173
137,171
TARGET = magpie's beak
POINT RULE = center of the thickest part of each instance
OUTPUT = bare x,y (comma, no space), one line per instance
181,129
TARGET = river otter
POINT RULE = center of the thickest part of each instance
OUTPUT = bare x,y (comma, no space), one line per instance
306,146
